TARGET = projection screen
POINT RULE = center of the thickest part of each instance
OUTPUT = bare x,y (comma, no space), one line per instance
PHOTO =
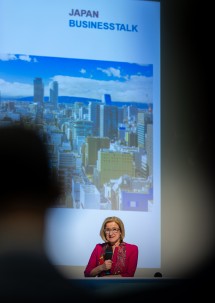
88,74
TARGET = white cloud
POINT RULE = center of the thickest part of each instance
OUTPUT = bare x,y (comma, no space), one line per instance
7,57
137,88
25,58
83,71
111,71
15,89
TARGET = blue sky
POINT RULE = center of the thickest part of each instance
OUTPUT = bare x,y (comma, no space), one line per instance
76,77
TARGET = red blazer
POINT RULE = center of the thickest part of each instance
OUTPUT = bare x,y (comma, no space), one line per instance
127,269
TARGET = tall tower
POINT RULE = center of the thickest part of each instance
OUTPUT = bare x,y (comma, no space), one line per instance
54,94
38,91
108,121
39,99
94,116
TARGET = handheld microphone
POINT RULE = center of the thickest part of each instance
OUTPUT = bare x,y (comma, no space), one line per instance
108,256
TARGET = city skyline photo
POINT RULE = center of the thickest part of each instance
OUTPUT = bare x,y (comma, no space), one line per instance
125,82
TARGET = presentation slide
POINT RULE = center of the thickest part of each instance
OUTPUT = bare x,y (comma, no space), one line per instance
87,73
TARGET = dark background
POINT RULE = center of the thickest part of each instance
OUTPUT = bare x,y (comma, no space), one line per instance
187,128
187,133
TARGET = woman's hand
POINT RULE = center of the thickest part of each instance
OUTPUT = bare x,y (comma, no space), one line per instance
107,265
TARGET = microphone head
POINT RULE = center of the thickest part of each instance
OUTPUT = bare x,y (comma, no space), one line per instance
108,253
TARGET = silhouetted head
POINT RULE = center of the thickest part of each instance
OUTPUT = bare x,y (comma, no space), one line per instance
25,173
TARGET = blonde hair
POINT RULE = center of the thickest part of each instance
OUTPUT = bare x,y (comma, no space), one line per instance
117,221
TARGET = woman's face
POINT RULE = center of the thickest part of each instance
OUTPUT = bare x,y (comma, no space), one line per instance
112,232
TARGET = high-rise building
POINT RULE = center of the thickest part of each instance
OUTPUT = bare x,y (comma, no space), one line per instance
93,145
66,163
132,113
108,121
120,115
39,99
131,138
54,94
113,164
77,108
141,134
80,130
38,91
149,147
94,116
